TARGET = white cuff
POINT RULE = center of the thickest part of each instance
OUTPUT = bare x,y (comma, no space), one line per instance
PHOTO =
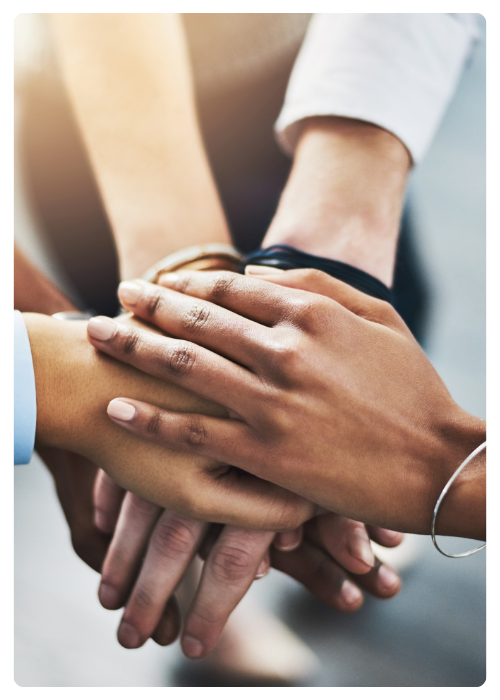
397,71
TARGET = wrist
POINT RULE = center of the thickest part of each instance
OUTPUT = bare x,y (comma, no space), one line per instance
463,510
345,195
58,348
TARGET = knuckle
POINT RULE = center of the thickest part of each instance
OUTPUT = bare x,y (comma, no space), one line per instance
142,597
232,564
180,359
174,537
131,341
196,435
283,355
221,287
302,311
196,318
153,425
153,303
312,275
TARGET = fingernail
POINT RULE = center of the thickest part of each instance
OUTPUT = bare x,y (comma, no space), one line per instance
262,270
263,569
121,410
287,541
101,327
128,636
130,292
102,521
192,647
107,596
388,578
350,593
168,278
360,548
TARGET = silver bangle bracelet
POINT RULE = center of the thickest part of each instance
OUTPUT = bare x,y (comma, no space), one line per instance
440,500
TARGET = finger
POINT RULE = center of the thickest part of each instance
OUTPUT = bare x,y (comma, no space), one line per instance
199,321
381,581
345,540
135,523
264,566
320,574
184,432
172,545
221,493
235,292
108,497
227,575
212,537
319,282
169,626
178,361
384,537
288,541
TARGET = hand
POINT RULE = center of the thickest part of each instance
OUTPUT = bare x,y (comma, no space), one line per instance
74,386
335,398
151,550
74,477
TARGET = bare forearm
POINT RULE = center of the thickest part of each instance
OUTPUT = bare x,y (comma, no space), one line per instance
345,195
33,291
129,81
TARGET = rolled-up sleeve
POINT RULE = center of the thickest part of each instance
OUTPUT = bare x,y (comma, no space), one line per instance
24,394
397,71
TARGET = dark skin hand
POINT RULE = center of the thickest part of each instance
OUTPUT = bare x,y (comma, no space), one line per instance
330,377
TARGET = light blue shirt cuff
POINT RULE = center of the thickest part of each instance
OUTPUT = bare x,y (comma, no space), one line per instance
24,394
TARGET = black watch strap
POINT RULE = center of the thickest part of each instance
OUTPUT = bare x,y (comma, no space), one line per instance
288,258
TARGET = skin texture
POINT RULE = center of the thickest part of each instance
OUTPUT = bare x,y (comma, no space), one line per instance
146,588
114,64
150,164
152,549
398,434
344,197
74,386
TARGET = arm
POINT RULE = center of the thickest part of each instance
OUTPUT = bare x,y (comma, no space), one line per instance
364,100
33,291
344,196
129,81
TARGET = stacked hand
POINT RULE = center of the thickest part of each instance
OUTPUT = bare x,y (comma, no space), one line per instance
328,395
152,548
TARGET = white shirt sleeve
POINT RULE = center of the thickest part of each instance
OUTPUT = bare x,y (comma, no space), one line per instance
397,71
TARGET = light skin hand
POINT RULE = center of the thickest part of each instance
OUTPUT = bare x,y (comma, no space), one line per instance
344,197
151,550
267,369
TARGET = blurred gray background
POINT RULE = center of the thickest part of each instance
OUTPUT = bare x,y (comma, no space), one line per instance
433,633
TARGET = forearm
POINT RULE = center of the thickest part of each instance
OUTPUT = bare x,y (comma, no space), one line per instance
129,80
345,195
33,291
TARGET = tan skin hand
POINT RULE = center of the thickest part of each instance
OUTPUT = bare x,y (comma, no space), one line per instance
341,386
74,386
